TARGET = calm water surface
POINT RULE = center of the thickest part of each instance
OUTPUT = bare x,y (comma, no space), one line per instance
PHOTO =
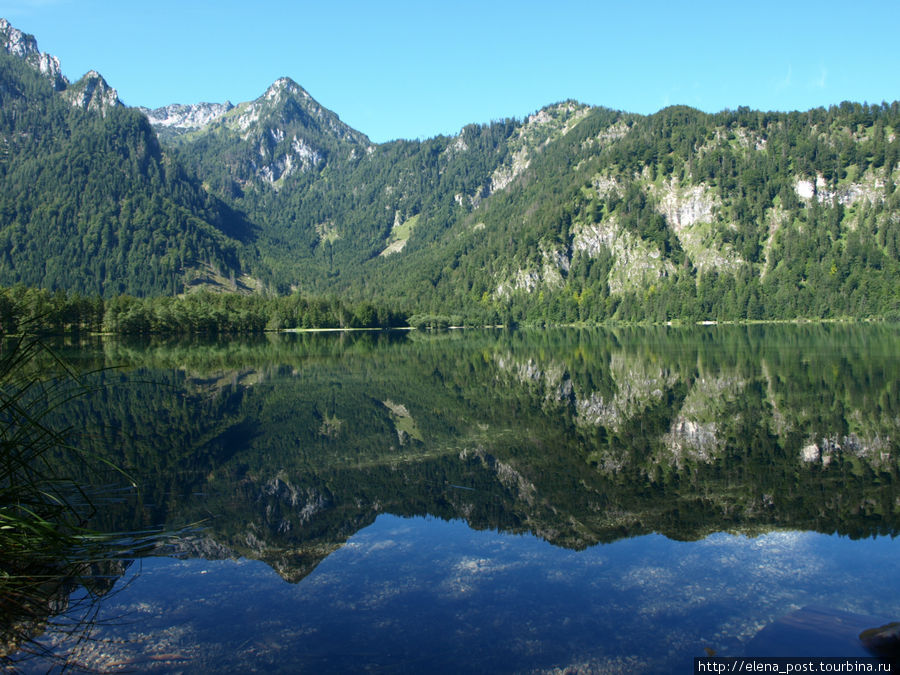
591,501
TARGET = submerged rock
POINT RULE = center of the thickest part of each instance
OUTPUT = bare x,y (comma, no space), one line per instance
884,640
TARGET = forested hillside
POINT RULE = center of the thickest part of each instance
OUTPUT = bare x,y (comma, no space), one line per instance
687,215
326,201
89,202
574,214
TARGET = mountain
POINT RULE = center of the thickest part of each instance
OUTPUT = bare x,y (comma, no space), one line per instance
89,201
575,213
16,43
687,215
175,119
586,214
284,131
326,200
92,92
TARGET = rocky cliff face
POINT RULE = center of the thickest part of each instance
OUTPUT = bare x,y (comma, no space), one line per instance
636,262
181,118
869,188
284,131
539,129
20,44
691,211
93,93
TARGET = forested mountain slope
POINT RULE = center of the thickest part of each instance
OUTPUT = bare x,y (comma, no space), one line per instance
343,222
327,201
572,214
586,214
88,200
687,215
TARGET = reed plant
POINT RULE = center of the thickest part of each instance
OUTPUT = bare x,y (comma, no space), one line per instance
47,549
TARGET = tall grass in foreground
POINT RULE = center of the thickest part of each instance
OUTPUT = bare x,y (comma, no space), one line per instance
47,550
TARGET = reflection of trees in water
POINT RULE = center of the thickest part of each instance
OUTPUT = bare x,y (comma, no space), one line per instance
291,444
61,600
50,600
53,568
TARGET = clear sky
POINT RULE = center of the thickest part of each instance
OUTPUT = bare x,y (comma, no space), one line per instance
415,69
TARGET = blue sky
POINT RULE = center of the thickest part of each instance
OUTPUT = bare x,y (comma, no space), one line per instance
400,69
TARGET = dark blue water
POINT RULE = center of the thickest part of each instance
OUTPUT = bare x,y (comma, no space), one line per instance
585,502
422,594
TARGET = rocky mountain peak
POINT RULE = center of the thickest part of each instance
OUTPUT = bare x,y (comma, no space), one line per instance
180,118
288,101
283,131
15,41
23,45
287,107
285,85
92,92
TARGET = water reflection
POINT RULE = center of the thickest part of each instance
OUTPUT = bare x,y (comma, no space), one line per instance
291,447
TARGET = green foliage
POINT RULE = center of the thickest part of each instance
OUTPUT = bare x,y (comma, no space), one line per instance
206,312
39,311
825,257
435,322
46,548
90,203
577,436
575,215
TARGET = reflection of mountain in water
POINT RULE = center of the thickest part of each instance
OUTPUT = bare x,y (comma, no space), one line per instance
288,447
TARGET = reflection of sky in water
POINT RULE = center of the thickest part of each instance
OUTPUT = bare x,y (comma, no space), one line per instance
423,594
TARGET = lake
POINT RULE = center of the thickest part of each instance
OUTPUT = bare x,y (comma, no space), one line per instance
618,500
